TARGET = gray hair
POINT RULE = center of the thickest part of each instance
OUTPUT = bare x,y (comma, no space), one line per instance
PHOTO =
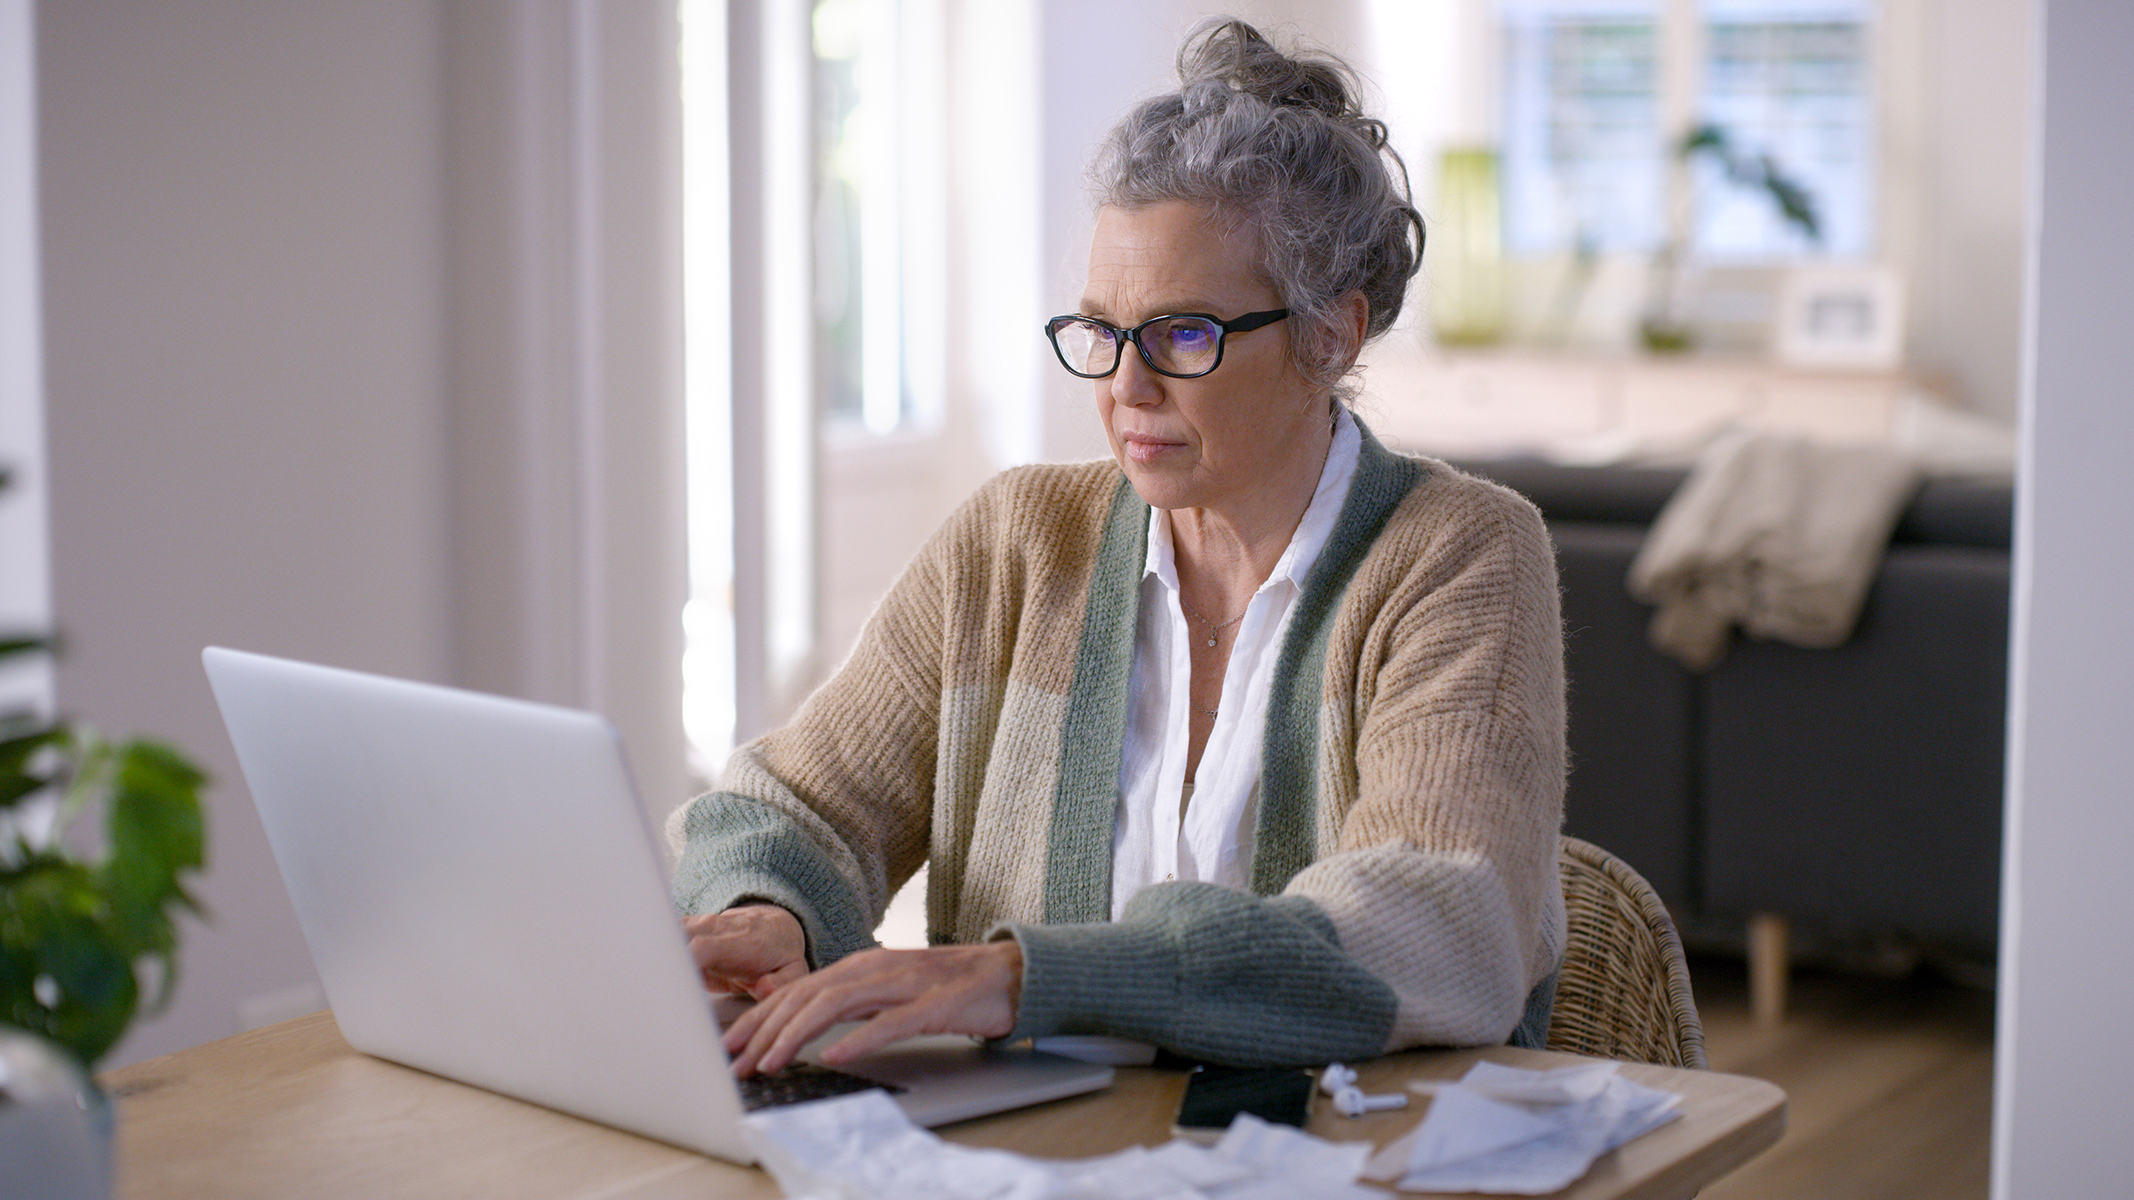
1278,143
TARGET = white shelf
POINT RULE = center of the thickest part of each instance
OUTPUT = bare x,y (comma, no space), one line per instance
1596,408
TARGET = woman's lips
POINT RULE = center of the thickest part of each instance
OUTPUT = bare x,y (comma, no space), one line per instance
1144,449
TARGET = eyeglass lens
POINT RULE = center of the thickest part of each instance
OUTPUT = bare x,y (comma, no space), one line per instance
1184,346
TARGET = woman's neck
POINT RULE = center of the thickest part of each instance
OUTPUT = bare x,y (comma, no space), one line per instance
1224,553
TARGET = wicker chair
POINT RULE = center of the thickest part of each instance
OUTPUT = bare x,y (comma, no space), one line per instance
1624,989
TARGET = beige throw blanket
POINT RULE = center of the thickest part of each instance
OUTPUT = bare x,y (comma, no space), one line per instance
1780,535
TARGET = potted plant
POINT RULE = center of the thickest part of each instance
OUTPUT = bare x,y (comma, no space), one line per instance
88,934
85,938
1663,327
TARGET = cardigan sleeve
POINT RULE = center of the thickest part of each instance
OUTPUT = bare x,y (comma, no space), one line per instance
923,744
828,815
1430,910
1446,848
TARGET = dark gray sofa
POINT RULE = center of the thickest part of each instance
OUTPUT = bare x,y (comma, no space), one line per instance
1855,791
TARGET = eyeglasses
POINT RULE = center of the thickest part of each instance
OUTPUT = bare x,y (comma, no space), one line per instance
1180,345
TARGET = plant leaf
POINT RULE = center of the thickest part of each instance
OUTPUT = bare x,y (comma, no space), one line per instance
1759,171
18,777
26,643
1703,138
77,932
154,828
51,930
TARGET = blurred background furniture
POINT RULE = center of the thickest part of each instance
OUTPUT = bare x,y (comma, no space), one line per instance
1481,402
1854,793
1623,991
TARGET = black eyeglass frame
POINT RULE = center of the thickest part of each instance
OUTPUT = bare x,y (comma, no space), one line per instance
1244,324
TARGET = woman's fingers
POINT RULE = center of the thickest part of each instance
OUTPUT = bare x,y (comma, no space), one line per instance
900,994
768,983
756,948
756,987
803,1017
770,1035
978,997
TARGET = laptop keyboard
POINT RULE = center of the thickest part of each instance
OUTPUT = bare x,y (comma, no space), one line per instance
802,1081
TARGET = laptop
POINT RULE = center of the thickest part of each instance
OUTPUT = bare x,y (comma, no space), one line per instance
484,900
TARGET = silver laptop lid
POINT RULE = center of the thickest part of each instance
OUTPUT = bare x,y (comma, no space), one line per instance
480,893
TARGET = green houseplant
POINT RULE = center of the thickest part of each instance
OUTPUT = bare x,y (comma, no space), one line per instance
1663,327
88,938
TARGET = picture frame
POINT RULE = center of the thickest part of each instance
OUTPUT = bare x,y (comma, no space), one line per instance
1841,317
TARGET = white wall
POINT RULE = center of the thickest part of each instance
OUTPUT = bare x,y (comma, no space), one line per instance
2061,1110
362,347
25,578
561,265
1965,201
243,313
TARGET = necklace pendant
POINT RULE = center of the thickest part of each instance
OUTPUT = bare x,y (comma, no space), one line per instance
1211,640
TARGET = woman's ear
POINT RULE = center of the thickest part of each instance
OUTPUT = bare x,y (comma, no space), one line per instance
1345,333
1355,326
1330,350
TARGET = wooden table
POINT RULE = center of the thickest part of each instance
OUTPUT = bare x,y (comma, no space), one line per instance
290,1110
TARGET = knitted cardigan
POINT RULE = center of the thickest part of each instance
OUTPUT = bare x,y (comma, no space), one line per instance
1404,886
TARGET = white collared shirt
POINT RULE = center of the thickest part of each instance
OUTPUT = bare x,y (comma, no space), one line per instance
1150,842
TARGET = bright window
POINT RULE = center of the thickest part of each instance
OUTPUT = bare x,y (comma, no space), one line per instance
1583,153
879,238
1587,142
1791,81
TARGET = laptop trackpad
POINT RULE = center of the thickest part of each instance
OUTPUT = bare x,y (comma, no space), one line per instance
947,1077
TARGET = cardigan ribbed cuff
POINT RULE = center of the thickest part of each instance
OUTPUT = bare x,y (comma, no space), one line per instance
1109,979
1207,972
741,849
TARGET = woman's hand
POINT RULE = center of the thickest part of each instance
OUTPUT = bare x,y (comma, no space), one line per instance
756,948
941,989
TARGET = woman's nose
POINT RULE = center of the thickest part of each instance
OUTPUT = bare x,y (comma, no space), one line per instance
1134,383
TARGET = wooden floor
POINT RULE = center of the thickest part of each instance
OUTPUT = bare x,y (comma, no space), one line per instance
1889,1084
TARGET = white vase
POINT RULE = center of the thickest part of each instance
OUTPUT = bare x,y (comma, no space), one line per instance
55,1127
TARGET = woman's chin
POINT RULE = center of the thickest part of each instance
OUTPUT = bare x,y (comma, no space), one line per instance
1158,486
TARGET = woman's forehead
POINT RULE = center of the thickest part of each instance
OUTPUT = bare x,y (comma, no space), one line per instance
1171,256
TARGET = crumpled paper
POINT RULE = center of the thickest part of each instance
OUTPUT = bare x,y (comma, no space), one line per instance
1507,1130
863,1146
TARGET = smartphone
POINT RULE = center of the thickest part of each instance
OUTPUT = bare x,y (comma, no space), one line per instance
1214,1095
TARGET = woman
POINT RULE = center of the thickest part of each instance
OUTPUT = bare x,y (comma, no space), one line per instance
1249,743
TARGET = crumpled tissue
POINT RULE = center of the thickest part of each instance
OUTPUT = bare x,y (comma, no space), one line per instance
1507,1130
863,1145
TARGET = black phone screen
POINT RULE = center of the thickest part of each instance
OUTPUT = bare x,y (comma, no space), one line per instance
1216,1094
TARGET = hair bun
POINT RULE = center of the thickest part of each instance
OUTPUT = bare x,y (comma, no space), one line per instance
1234,55
1280,141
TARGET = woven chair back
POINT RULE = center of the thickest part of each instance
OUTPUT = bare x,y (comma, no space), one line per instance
1624,989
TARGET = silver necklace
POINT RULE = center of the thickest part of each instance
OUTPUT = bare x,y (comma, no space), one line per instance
1214,630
